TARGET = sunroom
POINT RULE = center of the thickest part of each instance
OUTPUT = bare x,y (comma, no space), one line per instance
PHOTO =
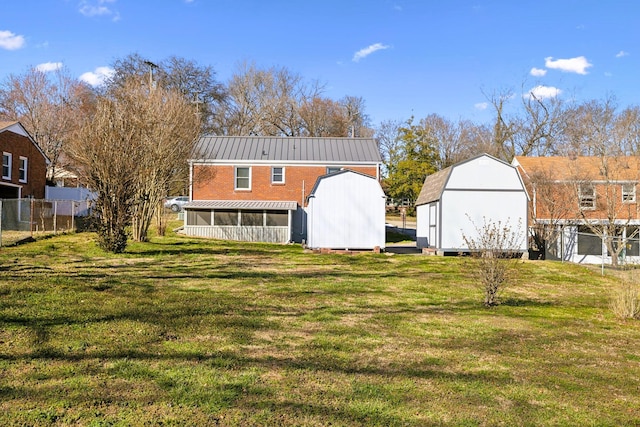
242,220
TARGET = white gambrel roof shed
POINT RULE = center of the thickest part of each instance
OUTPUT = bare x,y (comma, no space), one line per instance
455,201
346,210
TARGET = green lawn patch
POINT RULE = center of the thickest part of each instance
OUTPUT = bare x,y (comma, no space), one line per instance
184,331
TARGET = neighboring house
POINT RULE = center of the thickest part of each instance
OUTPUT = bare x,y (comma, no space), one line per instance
346,210
459,200
254,188
24,165
576,201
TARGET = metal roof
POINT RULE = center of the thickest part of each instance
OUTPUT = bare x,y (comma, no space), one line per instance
285,149
268,205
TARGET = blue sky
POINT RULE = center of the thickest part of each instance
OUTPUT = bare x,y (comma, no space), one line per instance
404,57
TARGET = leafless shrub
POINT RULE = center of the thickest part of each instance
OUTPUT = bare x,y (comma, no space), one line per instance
625,301
496,246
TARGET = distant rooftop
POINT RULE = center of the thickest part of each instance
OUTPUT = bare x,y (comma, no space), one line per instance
274,149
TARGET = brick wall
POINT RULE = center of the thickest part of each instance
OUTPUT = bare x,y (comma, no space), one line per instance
217,182
18,146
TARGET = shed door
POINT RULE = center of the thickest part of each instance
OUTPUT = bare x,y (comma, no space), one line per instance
433,225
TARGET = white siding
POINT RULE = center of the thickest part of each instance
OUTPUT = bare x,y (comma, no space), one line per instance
347,211
462,209
427,225
484,173
480,190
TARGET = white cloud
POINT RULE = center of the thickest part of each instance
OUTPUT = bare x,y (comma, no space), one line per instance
481,105
621,54
49,66
577,65
98,76
363,53
92,8
10,41
543,92
538,72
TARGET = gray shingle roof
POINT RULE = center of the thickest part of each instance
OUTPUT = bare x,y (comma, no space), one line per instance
433,186
242,204
285,149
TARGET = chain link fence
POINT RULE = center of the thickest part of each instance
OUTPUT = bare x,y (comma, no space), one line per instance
22,219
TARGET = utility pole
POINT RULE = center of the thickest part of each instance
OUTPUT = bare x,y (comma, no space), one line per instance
151,67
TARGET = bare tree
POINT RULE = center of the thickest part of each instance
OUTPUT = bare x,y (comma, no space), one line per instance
323,117
503,146
358,120
129,151
265,102
49,105
196,83
496,246
390,144
552,203
602,190
538,131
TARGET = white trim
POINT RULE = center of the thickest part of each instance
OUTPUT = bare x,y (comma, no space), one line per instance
26,169
283,175
10,157
632,194
235,178
343,164
587,197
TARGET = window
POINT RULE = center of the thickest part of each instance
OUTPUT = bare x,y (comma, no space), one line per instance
198,217
243,178
225,217
277,218
252,218
22,170
277,175
633,241
628,193
588,242
587,196
332,169
6,165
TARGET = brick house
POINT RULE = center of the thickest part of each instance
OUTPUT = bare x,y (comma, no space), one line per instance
24,165
584,209
254,188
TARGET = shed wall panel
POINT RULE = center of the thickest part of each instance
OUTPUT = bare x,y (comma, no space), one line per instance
484,173
347,210
464,211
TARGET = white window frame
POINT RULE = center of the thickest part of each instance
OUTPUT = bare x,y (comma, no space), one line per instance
587,200
629,196
23,168
273,181
333,169
7,165
235,178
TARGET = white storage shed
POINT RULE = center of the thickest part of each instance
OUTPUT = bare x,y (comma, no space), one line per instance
346,210
460,199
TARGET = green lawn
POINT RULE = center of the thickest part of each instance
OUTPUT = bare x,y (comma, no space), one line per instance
184,331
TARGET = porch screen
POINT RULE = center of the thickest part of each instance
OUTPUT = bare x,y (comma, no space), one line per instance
588,242
198,217
277,218
252,218
225,217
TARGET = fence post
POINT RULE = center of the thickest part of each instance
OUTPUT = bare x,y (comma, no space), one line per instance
31,216
55,217
1,223
73,215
